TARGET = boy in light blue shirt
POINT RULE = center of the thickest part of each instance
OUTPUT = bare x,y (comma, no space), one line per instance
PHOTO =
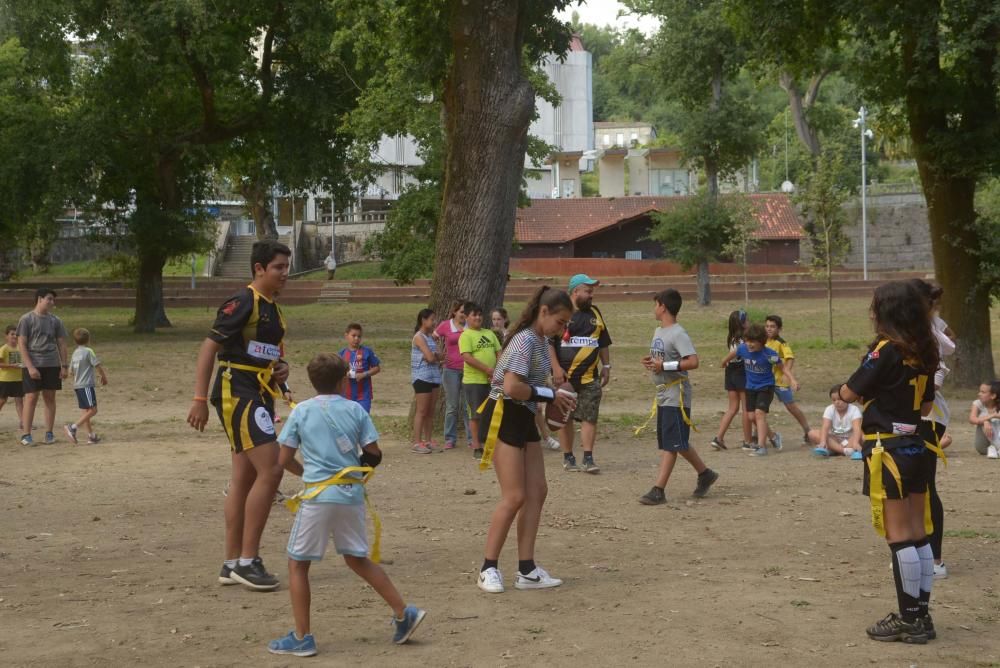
333,434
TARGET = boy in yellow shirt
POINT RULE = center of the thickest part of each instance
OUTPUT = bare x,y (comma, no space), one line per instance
785,384
10,372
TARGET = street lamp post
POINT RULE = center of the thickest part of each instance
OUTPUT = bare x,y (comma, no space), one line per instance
866,134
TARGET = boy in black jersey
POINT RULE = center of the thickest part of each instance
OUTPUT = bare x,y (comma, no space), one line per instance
895,382
247,338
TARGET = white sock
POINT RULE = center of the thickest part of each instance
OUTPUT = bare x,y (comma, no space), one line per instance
246,561
231,563
910,570
926,566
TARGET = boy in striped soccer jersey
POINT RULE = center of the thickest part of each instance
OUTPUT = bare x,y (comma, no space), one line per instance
362,364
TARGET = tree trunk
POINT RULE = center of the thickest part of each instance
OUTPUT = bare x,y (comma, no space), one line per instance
149,311
488,107
966,303
256,193
799,106
829,283
704,286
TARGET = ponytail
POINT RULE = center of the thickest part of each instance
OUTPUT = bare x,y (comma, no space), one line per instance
421,316
550,298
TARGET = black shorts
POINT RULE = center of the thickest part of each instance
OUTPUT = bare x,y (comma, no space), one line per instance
760,399
475,395
423,387
11,389
672,432
927,429
736,378
248,422
517,426
86,397
916,473
50,379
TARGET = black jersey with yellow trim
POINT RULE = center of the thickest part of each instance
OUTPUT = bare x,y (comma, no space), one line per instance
579,347
893,391
251,330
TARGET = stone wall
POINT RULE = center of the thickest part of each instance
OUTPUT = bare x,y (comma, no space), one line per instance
898,233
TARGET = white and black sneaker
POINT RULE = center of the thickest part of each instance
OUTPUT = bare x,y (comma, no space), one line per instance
226,576
491,581
536,579
254,576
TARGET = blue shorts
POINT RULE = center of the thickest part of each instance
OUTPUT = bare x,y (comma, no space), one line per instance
86,398
672,433
784,394
365,403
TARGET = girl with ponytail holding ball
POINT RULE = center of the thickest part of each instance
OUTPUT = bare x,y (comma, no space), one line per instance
511,440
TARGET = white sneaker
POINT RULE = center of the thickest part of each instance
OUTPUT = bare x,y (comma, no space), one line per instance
491,581
536,579
552,443
991,452
940,571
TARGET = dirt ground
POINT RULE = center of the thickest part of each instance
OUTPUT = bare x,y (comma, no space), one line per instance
109,554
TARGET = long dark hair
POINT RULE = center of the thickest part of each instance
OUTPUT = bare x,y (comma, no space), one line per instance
900,313
421,316
928,291
736,322
550,298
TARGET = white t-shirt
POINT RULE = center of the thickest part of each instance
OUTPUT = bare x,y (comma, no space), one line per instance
983,411
842,424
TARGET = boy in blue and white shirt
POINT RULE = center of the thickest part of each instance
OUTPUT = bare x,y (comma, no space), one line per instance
759,361
332,433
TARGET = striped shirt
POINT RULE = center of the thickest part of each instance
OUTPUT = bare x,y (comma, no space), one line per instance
527,355
421,369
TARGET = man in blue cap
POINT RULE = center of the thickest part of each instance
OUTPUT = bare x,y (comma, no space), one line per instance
581,357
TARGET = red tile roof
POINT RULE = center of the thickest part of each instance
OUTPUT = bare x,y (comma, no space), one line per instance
564,220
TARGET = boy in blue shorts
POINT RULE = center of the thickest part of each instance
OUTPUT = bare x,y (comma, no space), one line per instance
785,384
758,362
333,433
82,366
671,356
362,363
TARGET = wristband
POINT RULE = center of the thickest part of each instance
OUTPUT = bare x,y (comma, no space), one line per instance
541,393
673,365
205,399
607,366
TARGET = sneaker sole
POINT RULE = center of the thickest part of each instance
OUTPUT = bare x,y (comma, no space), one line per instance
718,446
535,585
256,587
902,637
489,591
72,436
647,502
227,581
571,469
293,652
416,623
592,471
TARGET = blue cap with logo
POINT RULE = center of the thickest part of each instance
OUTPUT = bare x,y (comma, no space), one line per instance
581,279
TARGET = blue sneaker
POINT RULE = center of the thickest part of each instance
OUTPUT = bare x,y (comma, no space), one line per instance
412,616
776,441
291,645
821,452
856,455
49,438
759,452
27,440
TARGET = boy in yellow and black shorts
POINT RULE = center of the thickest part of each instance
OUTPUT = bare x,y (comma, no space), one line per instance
247,340
11,386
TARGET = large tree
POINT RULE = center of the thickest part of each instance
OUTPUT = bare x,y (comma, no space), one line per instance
169,89
934,64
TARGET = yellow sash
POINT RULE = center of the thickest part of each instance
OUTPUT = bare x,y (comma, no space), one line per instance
652,411
313,489
491,437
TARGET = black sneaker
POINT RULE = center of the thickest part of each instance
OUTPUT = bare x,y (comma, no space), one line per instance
929,627
705,480
569,464
589,466
226,576
477,454
749,447
717,444
892,627
654,497
255,576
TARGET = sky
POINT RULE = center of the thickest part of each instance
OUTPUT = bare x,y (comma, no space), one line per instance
605,12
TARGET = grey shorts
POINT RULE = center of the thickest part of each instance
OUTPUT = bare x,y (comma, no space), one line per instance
316,523
588,402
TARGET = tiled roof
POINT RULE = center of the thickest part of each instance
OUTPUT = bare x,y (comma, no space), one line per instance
564,220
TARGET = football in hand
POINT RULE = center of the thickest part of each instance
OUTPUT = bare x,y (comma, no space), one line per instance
554,416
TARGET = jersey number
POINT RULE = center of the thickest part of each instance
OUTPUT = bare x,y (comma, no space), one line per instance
919,385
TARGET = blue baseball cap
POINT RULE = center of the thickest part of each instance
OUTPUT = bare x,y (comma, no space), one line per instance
581,279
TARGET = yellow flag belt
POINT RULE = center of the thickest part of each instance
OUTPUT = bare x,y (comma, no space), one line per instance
652,411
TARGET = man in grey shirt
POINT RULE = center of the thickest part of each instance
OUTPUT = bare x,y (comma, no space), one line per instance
41,340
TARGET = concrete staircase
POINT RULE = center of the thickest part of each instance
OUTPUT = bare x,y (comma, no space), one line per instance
236,263
335,292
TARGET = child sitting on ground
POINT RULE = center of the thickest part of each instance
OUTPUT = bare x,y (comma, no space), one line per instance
841,430
82,366
985,414
333,434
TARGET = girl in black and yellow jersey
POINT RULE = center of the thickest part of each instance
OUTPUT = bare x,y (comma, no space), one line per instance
895,382
246,338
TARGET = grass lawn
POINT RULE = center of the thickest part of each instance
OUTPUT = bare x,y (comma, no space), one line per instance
99,269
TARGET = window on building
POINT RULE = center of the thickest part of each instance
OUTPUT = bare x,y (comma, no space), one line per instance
669,182
633,255
568,188
607,140
620,139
